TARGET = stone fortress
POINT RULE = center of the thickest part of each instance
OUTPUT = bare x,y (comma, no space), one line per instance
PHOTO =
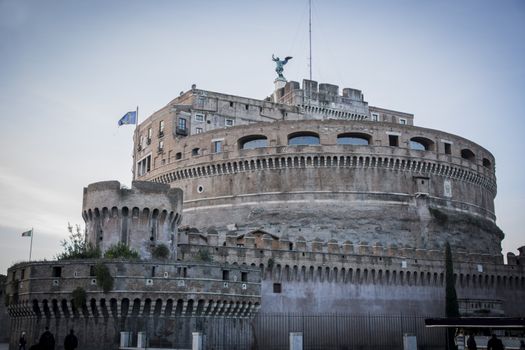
308,202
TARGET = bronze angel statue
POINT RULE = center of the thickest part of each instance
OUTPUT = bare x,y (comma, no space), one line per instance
279,64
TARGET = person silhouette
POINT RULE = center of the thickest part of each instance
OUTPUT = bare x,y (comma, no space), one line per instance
71,341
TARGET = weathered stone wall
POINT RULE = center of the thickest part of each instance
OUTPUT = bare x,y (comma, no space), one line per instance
4,317
333,277
142,217
169,300
364,193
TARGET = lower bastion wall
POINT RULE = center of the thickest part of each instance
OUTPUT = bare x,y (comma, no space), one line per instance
166,300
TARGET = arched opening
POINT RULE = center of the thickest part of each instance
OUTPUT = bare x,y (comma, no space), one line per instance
468,154
303,138
356,139
421,144
253,141
487,163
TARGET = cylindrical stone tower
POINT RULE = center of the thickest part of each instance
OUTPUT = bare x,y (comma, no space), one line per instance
142,217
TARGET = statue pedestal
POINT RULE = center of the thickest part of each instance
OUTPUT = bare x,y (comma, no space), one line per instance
279,84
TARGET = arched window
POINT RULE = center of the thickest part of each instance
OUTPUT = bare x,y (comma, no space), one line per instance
303,138
421,144
356,139
253,141
468,154
487,163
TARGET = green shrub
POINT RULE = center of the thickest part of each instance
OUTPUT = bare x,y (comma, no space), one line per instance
79,297
121,251
203,255
104,278
160,251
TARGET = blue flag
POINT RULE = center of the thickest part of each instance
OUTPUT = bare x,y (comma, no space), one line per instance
128,118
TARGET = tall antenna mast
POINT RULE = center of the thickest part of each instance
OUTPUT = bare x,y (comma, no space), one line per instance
310,35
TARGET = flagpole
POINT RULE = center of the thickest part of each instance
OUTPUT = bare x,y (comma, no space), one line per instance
31,244
137,119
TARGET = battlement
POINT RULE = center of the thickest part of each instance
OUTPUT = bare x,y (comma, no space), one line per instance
299,249
142,217
284,261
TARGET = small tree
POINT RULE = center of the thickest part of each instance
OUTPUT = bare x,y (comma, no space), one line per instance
76,246
451,297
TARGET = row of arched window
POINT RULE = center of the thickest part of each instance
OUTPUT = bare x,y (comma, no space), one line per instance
305,138
356,139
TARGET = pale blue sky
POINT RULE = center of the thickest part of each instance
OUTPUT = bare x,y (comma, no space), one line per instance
70,69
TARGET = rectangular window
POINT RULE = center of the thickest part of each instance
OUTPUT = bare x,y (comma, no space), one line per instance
198,130
161,128
161,145
23,274
153,271
448,148
375,117
57,271
178,155
92,270
393,140
217,146
402,121
199,117
144,166
182,123
229,122
244,276
225,275
277,288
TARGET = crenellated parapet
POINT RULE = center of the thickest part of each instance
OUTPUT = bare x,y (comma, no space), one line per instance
283,260
143,217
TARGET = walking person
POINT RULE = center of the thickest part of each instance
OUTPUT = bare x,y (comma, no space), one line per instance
471,343
71,341
47,340
494,343
22,342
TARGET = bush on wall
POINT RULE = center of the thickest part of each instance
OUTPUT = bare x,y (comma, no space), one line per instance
160,251
104,278
79,297
121,251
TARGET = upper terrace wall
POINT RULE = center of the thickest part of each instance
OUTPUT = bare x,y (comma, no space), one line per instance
331,190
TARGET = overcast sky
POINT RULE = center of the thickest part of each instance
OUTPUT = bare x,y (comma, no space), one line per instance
70,69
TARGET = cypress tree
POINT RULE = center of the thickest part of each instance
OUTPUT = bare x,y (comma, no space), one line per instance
451,297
